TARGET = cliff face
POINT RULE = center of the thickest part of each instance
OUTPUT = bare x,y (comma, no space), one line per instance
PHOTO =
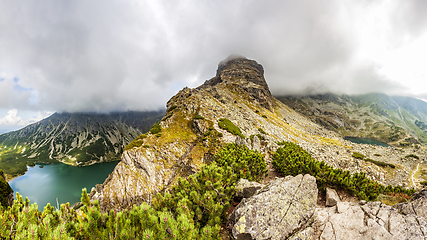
6,192
190,135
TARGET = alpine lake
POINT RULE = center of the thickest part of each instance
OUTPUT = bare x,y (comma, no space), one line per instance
59,183
370,141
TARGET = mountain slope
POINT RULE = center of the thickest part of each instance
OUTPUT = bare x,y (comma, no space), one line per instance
195,126
72,138
400,121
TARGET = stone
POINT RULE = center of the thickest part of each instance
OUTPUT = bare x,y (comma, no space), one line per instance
246,189
374,220
417,205
278,211
331,197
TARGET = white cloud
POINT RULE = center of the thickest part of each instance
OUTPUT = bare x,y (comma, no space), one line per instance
105,55
13,120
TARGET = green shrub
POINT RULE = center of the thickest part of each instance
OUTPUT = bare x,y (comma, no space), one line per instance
22,221
358,155
412,155
291,159
262,131
137,142
264,116
377,155
424,183
248,164
172,108
381,164
206,195
198,117
155,129
229,126
167,117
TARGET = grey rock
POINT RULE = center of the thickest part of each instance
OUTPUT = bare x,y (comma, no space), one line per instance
331,197
200,126
374,220
417,205
278,211
256,144
246,189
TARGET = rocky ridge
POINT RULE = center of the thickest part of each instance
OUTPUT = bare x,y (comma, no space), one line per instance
400,121
286,209
190,135
73,138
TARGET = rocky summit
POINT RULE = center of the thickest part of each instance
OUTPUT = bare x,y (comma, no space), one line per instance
189,134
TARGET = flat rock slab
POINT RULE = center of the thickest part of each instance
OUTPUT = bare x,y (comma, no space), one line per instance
281,210
373,220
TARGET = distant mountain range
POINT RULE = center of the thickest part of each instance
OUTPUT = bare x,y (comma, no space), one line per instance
73,138
400,121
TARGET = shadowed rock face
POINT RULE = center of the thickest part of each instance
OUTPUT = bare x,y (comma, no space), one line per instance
248,75
6,192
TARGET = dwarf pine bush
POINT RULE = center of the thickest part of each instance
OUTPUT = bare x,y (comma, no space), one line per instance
291,159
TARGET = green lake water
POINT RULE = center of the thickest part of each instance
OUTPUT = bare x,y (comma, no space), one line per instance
365,141
59,181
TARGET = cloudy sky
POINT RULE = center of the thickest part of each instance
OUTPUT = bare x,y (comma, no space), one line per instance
109,55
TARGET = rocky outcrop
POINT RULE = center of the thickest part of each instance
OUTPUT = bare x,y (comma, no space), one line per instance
247,75
246,189
282,209
6,192
372,220
417,205
331,197
77,139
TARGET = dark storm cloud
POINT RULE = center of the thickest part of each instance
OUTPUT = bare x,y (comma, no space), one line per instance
134,55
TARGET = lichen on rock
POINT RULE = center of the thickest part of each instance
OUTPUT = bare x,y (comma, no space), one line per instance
278,211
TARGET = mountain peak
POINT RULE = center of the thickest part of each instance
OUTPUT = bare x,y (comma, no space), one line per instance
246,74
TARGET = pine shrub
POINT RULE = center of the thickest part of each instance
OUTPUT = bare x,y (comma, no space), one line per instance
155,129
291,159
229,126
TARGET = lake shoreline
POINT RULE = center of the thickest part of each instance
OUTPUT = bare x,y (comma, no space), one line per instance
8,179
59,180
372,141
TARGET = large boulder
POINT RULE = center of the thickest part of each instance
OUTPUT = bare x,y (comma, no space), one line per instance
282,210
417,205
373,220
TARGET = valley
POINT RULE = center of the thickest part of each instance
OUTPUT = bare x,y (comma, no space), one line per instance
77,139
398,121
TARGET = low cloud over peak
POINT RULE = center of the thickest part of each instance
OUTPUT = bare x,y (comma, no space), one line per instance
124,55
